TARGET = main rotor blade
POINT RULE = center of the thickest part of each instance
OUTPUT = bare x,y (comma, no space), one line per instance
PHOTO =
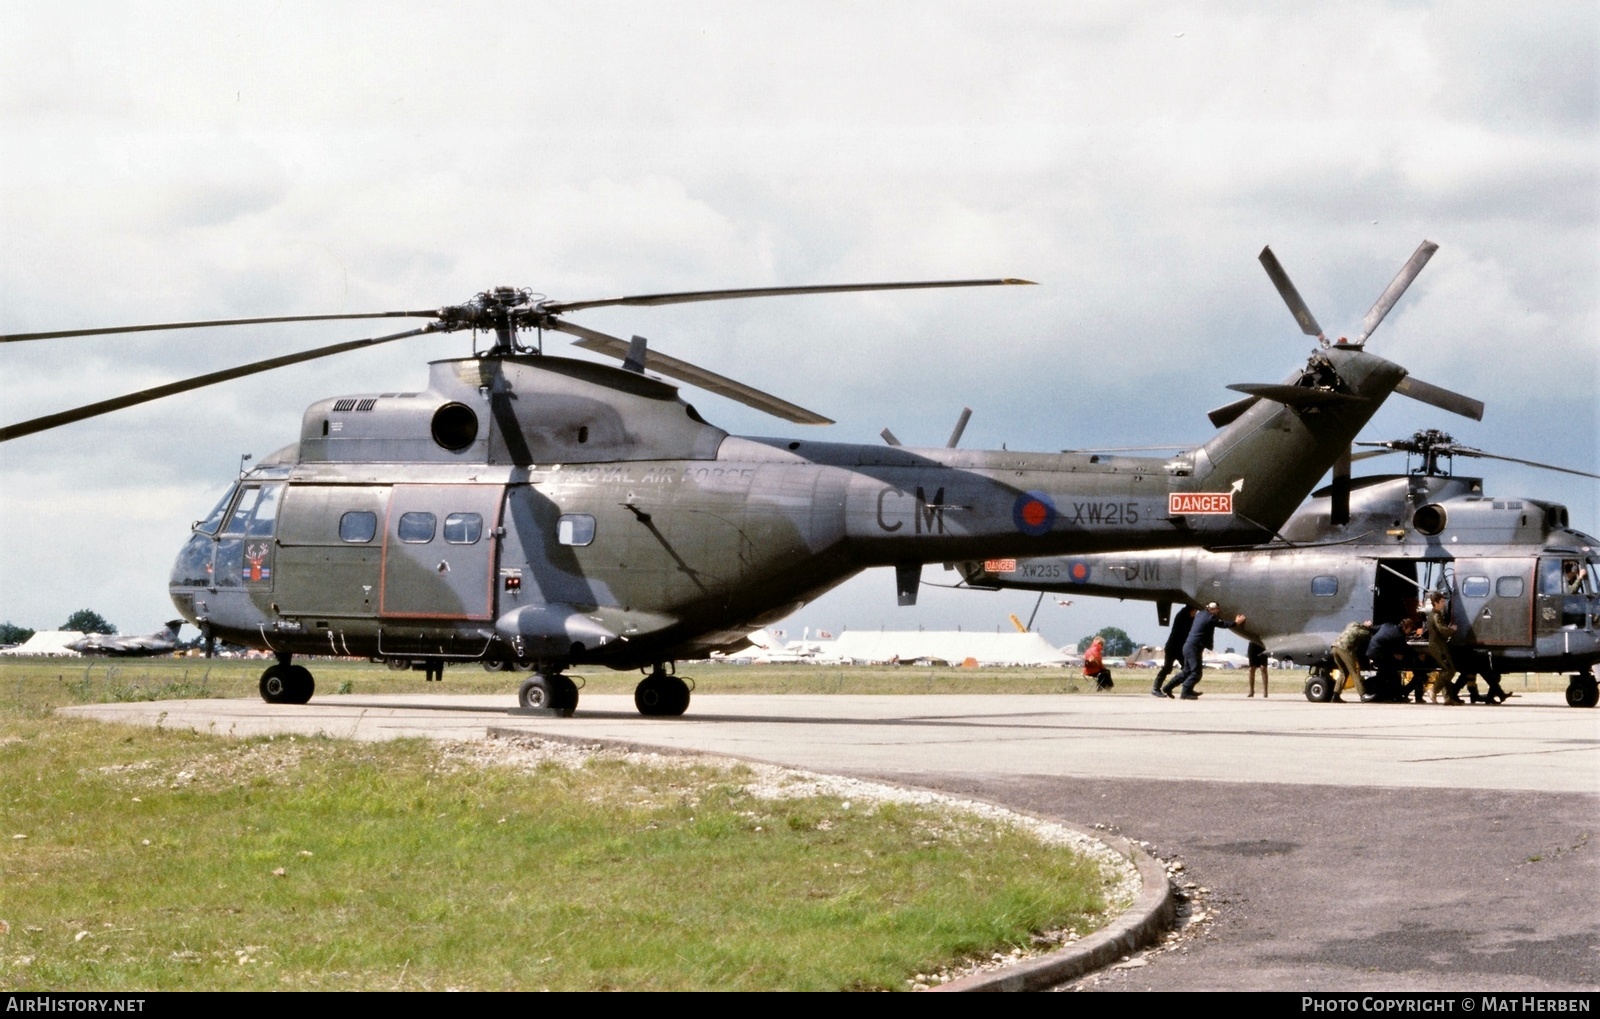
1291,296
67,417
1440,397
1469,451
693,374
961,426
690,296
18,337
1370,453
1397,286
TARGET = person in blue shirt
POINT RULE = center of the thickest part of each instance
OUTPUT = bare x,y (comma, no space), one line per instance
1182,622
1201,638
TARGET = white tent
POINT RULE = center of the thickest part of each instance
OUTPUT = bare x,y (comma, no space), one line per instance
51,643
946,646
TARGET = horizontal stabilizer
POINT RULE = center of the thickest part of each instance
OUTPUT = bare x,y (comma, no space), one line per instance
1294,396
1229,413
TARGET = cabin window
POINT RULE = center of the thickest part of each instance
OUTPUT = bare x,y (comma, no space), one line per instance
463,528
358,526
1508,587
417,528
213,520
575,529
1324,587
1475,587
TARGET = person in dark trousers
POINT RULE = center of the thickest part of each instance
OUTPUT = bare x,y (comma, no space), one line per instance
1182,621
1389,654
1202,636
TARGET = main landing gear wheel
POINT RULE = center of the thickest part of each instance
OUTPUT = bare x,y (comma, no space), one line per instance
1319,687
287,684
1582,692
554,693
660,695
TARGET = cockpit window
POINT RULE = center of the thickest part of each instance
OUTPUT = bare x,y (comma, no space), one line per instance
242,509
213,520
1563,576
255,512
265,519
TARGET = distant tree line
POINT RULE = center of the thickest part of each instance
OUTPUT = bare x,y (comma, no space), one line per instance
1118,643
83,621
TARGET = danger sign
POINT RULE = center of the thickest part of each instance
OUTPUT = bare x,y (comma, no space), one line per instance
1194,503
1000,566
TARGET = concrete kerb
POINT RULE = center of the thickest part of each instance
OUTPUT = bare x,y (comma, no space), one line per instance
1141,924
1151,913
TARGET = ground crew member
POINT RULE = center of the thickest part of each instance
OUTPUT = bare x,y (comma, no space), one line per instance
1387,652
1182,622
1440,630
1201,638
1347,649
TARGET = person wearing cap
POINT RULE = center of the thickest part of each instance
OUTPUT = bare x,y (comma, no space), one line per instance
1202,636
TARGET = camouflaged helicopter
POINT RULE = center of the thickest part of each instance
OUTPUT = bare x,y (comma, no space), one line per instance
1523,585
545,512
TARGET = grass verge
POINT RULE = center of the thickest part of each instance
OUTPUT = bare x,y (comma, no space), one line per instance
136,858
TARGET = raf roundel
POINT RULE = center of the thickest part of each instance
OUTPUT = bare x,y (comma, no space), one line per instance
1034,513
1078,572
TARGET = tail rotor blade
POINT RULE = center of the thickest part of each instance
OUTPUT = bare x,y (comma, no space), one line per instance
1396,288
1438,396
1291,296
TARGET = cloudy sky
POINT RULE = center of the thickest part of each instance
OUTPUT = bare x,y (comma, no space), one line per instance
185,161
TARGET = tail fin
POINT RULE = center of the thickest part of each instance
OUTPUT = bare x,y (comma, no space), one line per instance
1272,455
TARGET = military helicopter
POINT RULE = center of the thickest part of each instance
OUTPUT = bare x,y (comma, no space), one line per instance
550,512
1523,586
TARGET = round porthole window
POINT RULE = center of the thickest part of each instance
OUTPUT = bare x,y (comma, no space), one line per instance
455,426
